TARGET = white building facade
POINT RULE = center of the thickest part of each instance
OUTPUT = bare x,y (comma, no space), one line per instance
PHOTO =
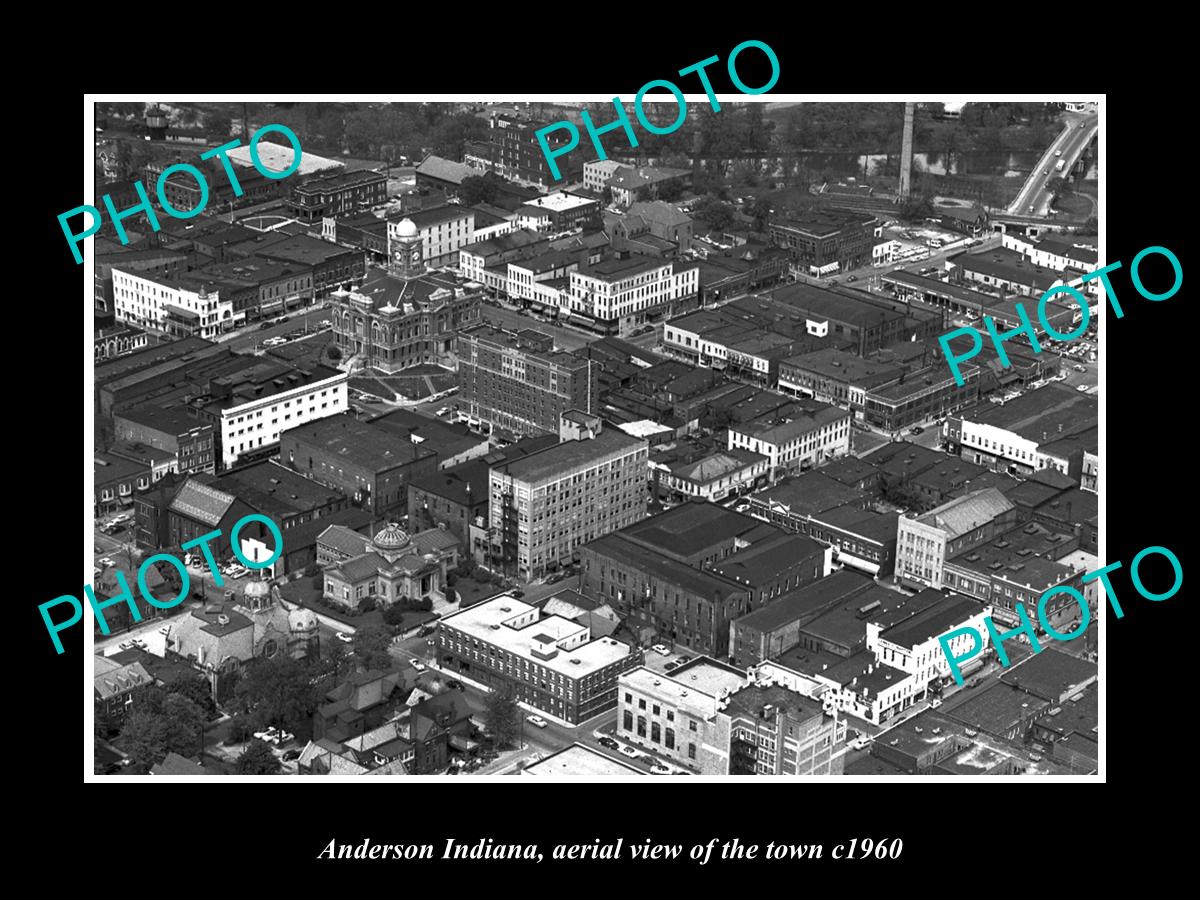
256,424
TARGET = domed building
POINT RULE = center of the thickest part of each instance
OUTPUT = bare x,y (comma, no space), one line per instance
392,565
276,629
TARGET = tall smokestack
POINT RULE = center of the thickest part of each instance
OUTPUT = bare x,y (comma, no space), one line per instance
906,155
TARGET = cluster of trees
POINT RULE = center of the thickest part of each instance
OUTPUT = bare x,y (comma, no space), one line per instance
163,720
480,188
379,130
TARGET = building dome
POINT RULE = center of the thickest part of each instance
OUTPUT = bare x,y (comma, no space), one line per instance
302,620
391,537
256,589
407,229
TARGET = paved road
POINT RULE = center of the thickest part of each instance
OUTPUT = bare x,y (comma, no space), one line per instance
1072,142
252,337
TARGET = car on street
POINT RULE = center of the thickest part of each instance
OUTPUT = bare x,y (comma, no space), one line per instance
536,721
935,704
1083,388
1045,171
1058,153
861,742
659,769
106,562
517,594
263,735
852,278
139,643
238,571
344,638
683,659
556,578
671,666
916,429
291,755
456,685
661,648
442,411
630,752
417,664
608,743
125,645
1077,367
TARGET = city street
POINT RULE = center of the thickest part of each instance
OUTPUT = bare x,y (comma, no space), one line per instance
252,337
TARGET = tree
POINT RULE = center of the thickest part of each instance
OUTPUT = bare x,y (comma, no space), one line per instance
670,192
393,615
501,716
334,352
198,691
717,215
370,647
451,595
1058,186
217,122
367,604
257,759
162,724
479,188
760,209
280,690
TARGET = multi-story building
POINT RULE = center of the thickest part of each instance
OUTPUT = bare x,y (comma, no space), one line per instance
924,543
803,438
155,260
544,505
174,430
442,231
454,498
519,382
912,646
335,195
677,714
253,414
619,295
366,463
332,266
682,576
823,243
836,376
559,212
182,306
720,474
867,323
485,262
259,287
118,688
629,184
774,730
1030,433
392,323
540,279
553,663
517,154
116,479
597,172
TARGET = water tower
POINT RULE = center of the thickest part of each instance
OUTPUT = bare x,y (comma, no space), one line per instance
156,122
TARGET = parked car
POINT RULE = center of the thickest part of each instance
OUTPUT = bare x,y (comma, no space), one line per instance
417,664
683,659
671,666
1083,388
661,648
861,742
238,571
125,645
106,562
442,411
291,755
935,704
139,643
630,752
556,578
536,721
916,429
659,769
1077,367
608,743
344,638
852,278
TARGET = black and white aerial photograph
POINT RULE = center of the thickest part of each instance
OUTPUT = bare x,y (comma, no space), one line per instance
509,439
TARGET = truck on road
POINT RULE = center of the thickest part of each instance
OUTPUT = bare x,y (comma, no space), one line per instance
1059,166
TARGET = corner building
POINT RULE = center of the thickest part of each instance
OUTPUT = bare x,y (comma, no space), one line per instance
551,662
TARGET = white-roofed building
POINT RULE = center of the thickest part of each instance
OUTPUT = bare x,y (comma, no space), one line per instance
552,662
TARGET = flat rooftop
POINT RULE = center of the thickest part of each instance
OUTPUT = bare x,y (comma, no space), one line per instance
1047,414
950,612
279,158
809,494
805,602
569,457
560,201
578,761
486,622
